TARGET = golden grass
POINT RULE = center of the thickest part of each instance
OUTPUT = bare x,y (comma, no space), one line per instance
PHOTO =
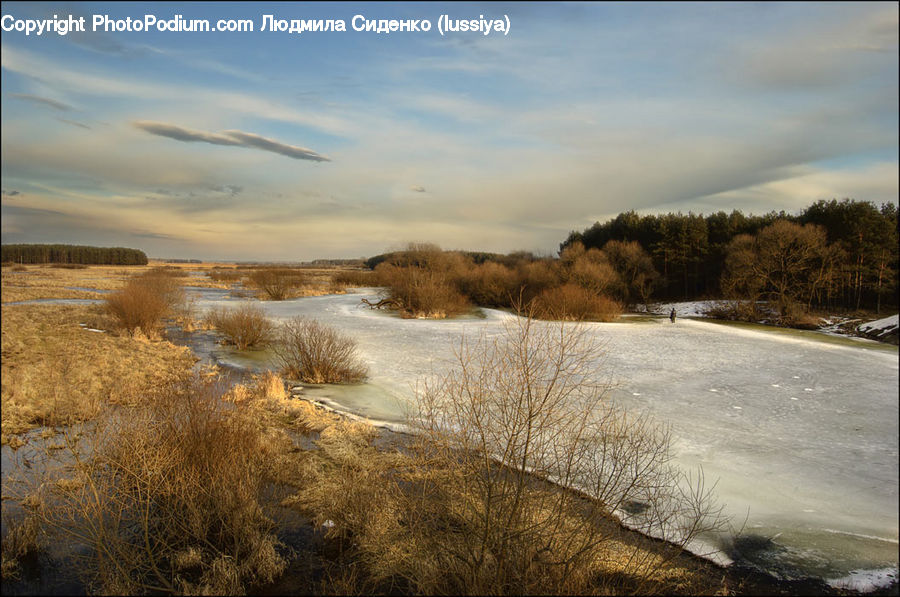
54,372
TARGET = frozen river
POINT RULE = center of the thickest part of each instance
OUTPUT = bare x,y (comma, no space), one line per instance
801,430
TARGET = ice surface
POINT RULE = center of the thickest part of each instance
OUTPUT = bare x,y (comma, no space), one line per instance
801,433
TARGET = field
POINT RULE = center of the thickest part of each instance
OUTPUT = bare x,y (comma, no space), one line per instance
348,481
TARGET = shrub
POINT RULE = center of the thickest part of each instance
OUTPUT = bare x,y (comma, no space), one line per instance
574,303
169,498
19,268
508,484
145,300
421,292
246,326
314,353
536,276
490,284
276,284
518,411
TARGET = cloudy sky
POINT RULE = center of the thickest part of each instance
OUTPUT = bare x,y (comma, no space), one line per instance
271,145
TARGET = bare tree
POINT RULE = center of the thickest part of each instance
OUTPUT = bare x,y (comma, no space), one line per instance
530,459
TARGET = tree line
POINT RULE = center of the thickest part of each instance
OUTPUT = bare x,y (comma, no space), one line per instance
834,254
79,254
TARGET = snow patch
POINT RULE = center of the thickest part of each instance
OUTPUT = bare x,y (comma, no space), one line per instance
865,581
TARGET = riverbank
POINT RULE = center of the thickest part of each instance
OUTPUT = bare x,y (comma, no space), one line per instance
870,326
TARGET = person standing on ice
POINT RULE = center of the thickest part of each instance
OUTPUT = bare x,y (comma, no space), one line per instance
672,315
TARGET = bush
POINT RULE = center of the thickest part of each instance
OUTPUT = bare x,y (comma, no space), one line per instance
276,284
246,326
169,498
490,284
144,301
574,303
421,292
314,353
516,412
508,484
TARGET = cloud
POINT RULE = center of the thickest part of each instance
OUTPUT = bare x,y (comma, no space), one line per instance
46,101
12,193
74,123
231,189
417,188
230,137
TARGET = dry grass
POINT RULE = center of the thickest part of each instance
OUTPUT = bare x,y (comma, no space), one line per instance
54,372
23,538
169,498
44,281
355,278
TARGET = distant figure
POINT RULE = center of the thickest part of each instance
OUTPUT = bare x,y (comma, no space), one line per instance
672,315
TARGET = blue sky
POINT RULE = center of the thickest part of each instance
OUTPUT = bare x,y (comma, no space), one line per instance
270,145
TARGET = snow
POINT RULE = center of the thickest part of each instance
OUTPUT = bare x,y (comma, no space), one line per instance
684,309
800,431
880,326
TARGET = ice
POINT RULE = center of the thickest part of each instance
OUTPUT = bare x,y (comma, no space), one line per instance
799,467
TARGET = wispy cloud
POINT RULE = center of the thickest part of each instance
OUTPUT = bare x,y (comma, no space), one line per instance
46,101
74,123
417,188
229,137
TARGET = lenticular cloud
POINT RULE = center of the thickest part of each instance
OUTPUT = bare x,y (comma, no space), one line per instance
229,137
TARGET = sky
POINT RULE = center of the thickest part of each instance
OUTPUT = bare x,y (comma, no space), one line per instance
271,145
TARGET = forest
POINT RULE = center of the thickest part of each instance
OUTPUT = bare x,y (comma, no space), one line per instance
834,254
75,254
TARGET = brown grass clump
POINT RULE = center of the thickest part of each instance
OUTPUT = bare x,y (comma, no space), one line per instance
169,498
246,326
575,303
314,353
